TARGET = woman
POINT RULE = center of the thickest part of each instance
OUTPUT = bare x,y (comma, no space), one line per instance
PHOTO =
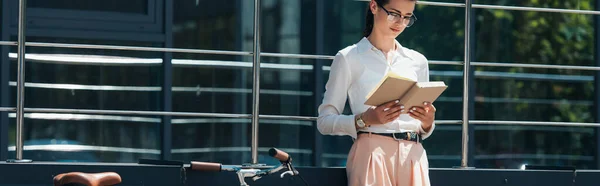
387,149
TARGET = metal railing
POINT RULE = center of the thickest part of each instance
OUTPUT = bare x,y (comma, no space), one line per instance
256,53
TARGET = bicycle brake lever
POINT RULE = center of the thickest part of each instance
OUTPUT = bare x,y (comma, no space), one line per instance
256,178
286,172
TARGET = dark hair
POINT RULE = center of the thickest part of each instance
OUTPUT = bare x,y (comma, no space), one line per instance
369,20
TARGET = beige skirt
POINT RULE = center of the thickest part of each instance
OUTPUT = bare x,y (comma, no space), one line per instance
376,160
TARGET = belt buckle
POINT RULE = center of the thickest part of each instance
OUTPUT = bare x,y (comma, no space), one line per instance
417,137
394,136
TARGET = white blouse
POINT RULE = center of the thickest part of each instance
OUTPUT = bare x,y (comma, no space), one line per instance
355,71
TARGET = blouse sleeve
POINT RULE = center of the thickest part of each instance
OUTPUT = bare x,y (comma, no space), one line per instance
330,120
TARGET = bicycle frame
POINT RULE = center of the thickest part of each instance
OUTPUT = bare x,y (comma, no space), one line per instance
252,171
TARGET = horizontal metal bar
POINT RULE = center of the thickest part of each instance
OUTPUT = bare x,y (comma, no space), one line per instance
440,62
502,7
281,117
301,118
157,88
533,156
8,109
448,122
275,117
160,113
130,61
11,43
242,90
533,101
74,147
134,48
522,65
431,157
90,117
87,117
114,60
302,56
533,76
237,149
131,112
178,50
537,128
490,157
74,59
431,3
184,114
238,120
539,123
221,63
56,86
535,9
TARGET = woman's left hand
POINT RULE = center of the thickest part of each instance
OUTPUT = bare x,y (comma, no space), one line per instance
426,114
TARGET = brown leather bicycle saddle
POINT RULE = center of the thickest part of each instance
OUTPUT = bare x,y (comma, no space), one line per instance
88,179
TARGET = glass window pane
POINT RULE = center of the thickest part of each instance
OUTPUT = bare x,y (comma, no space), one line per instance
291,136
2,16
224,140
530,94
131,6
287,86
9,72
90,79
568,4
228,140
212,83
533,94
510,146
215,25
449,104
343,24
438,33
284,29
226,87
444,146
534,37
86,137
134,42
335,150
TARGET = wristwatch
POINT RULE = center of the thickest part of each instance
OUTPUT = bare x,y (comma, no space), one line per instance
360,122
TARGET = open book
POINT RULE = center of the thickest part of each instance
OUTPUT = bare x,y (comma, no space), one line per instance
409,92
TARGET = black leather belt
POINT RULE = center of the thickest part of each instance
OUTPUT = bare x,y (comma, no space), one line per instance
408,136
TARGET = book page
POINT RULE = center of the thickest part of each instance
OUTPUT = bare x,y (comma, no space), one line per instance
392,87
423,92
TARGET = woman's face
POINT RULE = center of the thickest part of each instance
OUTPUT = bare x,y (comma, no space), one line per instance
391,23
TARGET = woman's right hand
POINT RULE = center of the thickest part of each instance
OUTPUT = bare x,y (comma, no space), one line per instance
383,113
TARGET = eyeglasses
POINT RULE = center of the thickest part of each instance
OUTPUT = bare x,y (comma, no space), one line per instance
395,17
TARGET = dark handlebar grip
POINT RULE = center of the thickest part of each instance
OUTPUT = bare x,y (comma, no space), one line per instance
206,166
280,155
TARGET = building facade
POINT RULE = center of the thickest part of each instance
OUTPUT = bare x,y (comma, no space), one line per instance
531,91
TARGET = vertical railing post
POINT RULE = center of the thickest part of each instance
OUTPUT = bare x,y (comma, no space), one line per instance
20,83
256,82
466,86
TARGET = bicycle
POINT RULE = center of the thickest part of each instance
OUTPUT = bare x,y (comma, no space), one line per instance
253,171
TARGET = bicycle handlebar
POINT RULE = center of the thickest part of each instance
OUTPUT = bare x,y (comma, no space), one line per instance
280,155
206,166
253,171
